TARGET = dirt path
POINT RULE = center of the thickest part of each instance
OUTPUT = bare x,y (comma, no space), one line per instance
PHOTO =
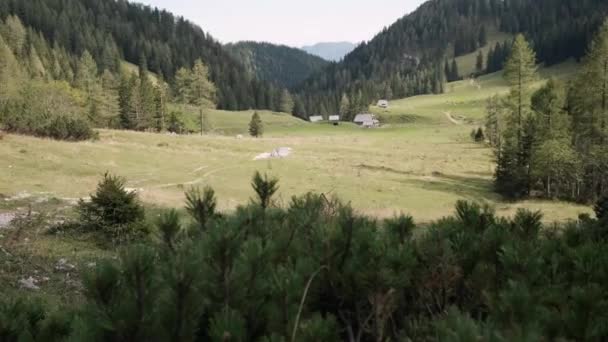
451,118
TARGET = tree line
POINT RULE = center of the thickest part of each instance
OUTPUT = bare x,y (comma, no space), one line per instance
47,91
284,66
408,57
551,142
315,270
112,31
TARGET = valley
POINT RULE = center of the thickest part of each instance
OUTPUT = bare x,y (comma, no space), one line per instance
419,162
446,179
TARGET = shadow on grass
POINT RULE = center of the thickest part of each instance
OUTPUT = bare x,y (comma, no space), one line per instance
383,169
475,188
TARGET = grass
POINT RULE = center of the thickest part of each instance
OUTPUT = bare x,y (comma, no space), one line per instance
417,169
463,99
467,64
421,163
234,123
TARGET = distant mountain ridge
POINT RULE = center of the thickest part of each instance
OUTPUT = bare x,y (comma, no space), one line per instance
330,51
408,57
279,64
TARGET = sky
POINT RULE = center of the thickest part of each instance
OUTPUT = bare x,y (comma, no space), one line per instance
290,22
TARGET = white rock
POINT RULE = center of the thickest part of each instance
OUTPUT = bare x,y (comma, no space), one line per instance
29,284
281,152
64,266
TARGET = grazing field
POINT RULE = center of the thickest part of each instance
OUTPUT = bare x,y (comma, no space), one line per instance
420,162
421,169
464,99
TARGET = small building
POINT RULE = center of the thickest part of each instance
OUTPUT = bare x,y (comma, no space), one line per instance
383,104
334,119
315,118
366,120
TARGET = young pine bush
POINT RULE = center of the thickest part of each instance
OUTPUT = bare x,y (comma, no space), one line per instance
113,210
601,209
201,206
264,188
256,126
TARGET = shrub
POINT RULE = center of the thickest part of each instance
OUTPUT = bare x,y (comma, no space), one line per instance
46,110
201,206
175,124
264,188
256,126
113,210
601,208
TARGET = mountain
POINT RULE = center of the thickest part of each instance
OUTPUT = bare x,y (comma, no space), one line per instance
117,29
408,58
330,51
279,64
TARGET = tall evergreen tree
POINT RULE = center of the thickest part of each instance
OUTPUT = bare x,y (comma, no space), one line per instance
454,73
513,171
479,65
520,72
256,126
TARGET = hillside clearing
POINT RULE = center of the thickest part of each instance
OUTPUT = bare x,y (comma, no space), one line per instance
421,170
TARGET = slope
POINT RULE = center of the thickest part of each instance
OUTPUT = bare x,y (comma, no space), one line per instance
407,58
111,30
278,64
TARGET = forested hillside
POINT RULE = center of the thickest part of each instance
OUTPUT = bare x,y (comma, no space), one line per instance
408,58
113,30
279,64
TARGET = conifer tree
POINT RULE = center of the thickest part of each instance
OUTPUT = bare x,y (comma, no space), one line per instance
127,102
513,173
595,84
454,73
480,62
345,109
256,126
287,103
520,72
15,34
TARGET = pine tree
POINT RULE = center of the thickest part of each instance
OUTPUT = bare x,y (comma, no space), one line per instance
160,110
126,102
479,66
202,91
256,126
287,103
15,34
264,188
11,74
520,72
595,75
345,109
454,74
513,174
483,36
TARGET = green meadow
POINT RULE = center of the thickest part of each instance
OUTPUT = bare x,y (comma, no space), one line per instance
420,162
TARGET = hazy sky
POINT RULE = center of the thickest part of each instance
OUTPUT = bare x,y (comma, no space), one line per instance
290,22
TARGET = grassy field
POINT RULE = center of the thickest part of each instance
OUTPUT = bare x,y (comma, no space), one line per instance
421,162
419,169
464,99
467,64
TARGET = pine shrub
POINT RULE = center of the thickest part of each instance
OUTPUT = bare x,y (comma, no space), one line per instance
256,126
264,188
113,210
